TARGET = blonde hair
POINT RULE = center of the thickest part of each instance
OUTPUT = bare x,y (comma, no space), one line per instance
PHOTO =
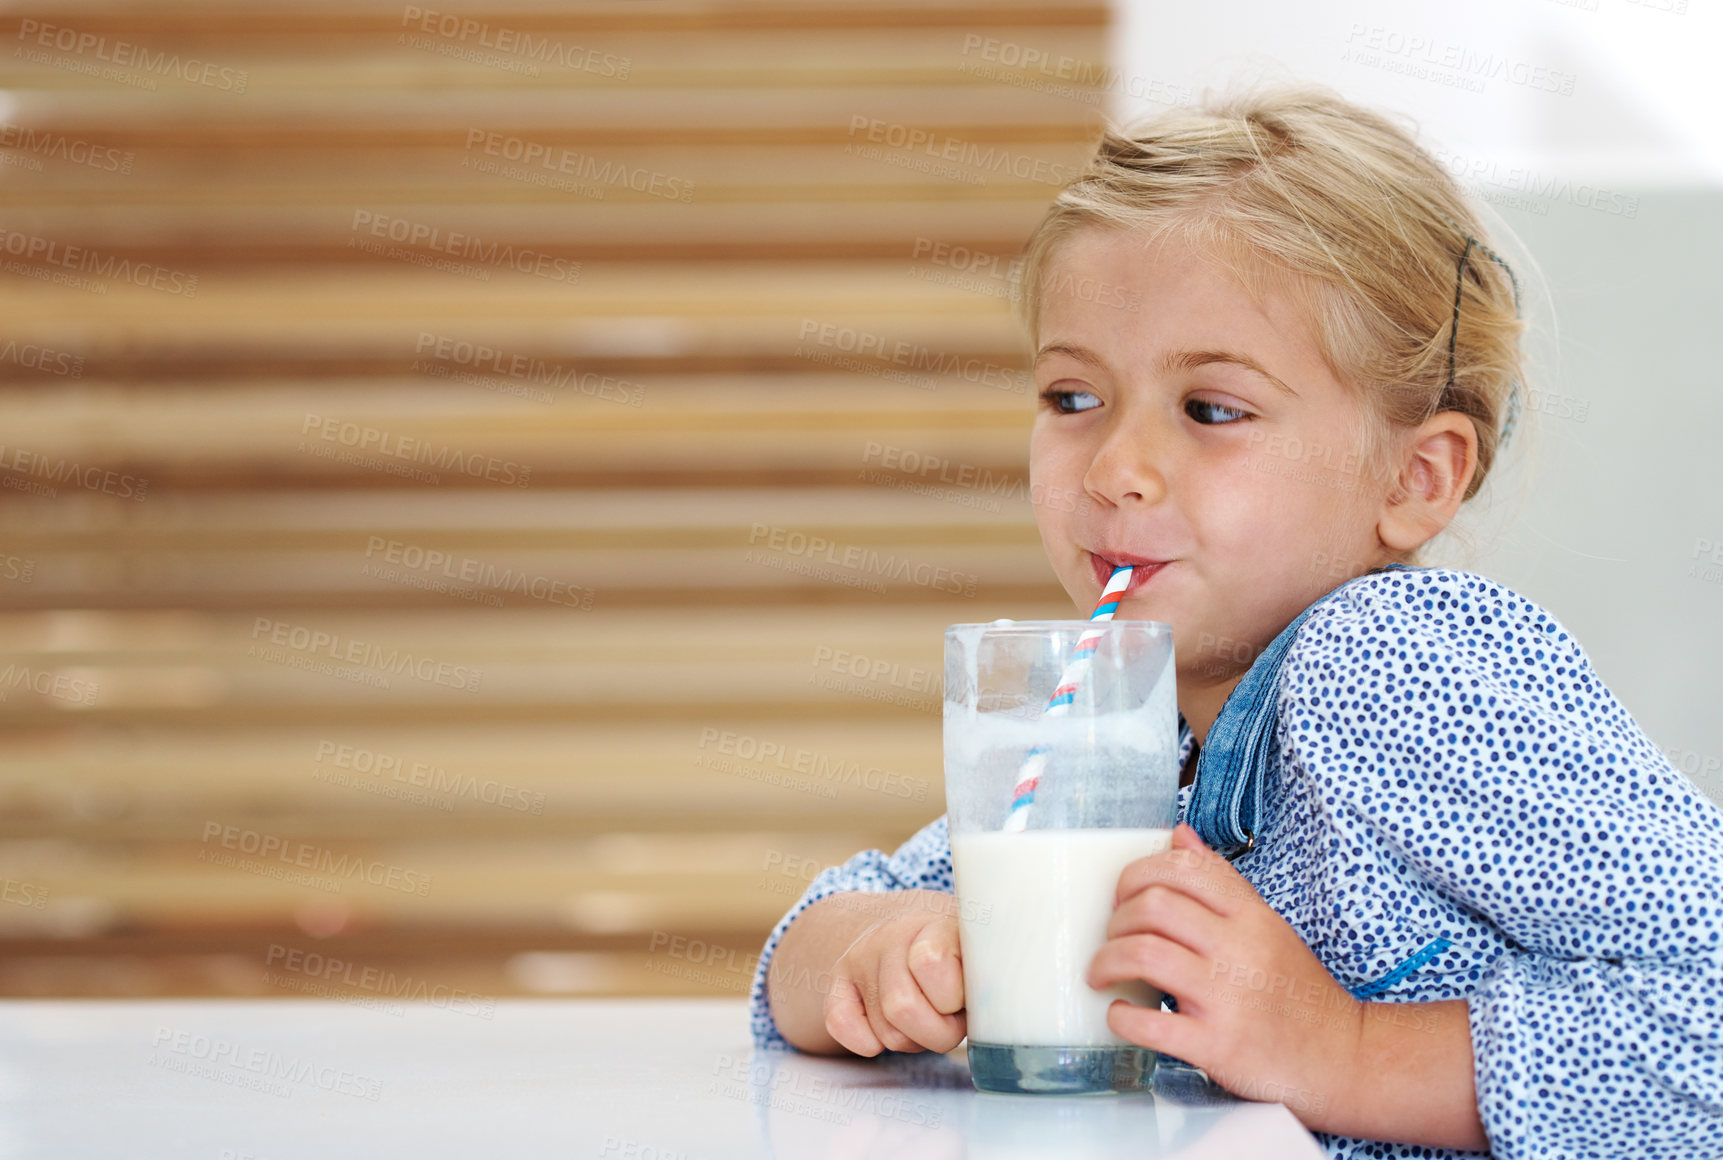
1373,232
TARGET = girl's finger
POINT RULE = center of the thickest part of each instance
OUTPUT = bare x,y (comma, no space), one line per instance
908,1010
1174,1034
1157,909
936,961
883,1028
1192,868
1157,961
846,1018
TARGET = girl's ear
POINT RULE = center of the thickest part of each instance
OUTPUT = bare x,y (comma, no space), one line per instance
1440,459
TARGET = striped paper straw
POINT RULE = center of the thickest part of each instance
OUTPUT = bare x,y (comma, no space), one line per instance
1029,774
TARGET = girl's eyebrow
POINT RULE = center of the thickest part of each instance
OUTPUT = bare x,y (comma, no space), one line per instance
1190,360
1081,353
1172,362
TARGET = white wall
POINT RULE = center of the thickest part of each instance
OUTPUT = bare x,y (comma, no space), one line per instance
1615,188
1642,95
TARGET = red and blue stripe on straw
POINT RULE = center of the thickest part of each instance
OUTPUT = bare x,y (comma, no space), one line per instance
1034,764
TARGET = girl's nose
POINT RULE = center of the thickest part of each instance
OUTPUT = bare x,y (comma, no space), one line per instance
1125,471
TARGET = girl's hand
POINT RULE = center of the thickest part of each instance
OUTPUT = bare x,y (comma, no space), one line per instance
1257,1010
899,986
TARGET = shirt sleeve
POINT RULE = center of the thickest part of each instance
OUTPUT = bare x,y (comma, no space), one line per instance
1464,728
921,863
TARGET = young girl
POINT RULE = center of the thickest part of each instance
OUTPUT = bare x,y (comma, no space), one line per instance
1431,879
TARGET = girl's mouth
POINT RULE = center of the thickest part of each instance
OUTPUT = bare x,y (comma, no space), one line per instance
1141,572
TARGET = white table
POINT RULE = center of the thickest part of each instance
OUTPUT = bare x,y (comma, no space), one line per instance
623,1079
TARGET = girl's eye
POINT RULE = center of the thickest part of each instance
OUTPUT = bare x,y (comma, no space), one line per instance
1206,412
1057,400
1202,410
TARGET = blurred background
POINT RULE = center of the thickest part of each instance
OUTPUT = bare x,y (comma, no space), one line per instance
483,487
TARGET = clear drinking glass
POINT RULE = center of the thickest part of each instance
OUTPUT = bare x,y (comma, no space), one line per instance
1034,902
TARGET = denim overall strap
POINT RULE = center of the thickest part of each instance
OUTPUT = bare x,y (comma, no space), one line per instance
1226,794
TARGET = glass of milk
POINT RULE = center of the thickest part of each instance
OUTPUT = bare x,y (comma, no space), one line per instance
1034,903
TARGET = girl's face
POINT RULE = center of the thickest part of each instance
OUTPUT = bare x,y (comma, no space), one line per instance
1201,431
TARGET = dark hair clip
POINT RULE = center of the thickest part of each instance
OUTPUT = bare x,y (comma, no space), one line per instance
1514,388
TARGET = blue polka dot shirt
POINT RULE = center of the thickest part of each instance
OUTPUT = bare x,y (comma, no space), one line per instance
1461,809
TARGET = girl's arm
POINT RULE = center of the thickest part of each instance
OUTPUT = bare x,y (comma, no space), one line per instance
801,965
1263,1017
923,863
801,972
1411,1078
1449,733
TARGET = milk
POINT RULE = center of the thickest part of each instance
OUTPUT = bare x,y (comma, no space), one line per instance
1034,910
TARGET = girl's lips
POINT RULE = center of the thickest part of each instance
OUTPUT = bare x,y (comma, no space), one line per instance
1141,574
